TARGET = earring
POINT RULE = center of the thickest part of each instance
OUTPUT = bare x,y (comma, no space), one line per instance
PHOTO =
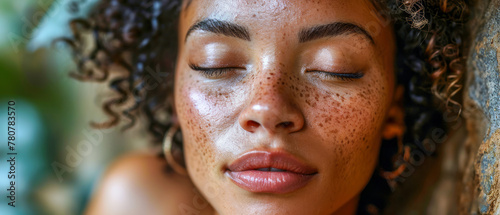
405,152
167,151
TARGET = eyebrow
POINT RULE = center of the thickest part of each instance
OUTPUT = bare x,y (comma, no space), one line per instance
332,29
305,35
220,27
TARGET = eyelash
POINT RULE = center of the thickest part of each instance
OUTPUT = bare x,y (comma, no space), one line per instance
212,72
217,72
339,76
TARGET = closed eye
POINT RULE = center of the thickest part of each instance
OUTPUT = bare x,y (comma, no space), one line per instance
338,76
213,73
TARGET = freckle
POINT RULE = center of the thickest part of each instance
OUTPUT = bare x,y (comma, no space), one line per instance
271,73
254,15
268,78
308,102
320,124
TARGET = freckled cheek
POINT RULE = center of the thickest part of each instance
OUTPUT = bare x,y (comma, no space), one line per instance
363,114
192,108
203,115
351,132
354,118
362,118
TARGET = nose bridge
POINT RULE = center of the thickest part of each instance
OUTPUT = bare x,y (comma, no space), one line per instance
269,85
271,105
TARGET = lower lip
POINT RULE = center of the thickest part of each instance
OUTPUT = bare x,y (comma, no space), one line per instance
269,182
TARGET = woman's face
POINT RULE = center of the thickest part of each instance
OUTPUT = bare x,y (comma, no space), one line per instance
302,87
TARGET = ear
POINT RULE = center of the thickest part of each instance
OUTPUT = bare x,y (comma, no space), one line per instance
394,125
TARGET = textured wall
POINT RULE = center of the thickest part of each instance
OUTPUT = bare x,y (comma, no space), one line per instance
481,172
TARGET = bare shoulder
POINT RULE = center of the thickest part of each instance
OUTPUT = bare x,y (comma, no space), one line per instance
139,184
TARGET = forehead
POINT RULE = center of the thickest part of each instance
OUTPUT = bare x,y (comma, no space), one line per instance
285,16
274,6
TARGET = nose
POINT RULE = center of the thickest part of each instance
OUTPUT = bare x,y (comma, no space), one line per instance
272,107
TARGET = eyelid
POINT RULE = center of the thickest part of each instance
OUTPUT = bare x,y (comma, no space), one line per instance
343,76
213,72
196,67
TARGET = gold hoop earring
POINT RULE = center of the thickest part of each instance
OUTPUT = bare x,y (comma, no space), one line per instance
167,151
405,152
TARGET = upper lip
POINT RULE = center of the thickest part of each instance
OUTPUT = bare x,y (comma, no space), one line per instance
264,159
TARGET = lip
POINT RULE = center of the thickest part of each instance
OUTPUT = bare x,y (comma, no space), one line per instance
293,174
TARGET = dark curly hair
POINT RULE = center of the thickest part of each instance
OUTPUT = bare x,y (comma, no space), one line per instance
123,42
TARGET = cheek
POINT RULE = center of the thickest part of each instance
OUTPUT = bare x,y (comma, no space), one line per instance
356,114
203,114
348,124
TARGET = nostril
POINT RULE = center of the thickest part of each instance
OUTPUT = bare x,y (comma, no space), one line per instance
286,124
252,124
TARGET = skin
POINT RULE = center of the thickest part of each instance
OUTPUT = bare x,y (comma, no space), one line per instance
274,99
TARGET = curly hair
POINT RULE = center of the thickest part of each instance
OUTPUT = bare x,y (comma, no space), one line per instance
140,38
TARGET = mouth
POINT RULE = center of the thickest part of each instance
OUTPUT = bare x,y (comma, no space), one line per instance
269,172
